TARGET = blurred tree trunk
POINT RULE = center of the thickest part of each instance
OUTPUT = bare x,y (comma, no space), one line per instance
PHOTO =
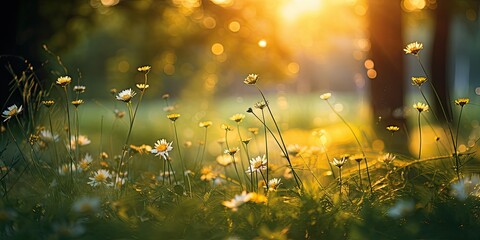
387,89
439,58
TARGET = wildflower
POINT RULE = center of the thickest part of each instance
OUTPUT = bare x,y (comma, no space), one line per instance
249,110
86,205
118,113
206,174
387,158
357,157
231,151
257,164
257,198
141,149
401,208
462,101
251,79
144,68
413,48
78,102
421,107
325,96
63,81
81,141
273,184
226,127
104,155
392,128
165,96
65,169
100,177
467,186
295,149
118,182
113,91
162,147
48,103
247,141
173,116
142,86
224,160
11,111
47,136
237,201
126,95
254,131
79,89
418,81
205,124
237,117
339,162
260,105
84,164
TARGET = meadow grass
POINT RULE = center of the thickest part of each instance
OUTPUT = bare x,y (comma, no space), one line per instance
267,167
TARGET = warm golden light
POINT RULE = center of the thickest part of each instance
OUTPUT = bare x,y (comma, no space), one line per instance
234,26
371,73
293,67
369,64
109,3
217,49
262,43
294,9
413,5
223,3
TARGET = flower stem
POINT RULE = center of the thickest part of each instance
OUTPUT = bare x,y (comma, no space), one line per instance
358,142
457,160
296,177
420,135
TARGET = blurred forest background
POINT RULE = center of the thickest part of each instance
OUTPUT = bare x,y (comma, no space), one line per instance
203,49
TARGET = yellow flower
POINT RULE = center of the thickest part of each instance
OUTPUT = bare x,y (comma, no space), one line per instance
144,69
393,128
205,124
48,103
325,96
413,48
77,102
231,151
225,160
253,130
421,107
237,117
251,79
226,127
462,101
173,116
418,81
142,86
64,81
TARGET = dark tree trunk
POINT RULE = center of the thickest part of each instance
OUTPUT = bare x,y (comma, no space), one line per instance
387,89
439,58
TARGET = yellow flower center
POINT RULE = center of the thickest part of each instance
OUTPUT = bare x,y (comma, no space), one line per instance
126,97
100,177
12,112
257,164
161,147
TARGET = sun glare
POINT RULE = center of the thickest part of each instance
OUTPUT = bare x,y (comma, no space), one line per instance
293,9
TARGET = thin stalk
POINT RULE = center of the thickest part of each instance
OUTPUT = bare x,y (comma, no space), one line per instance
69,132
249,166
457,160
233,159
57,162
420,135
360,176
244,147
328,160
296,177
186,177
266,141
358,142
